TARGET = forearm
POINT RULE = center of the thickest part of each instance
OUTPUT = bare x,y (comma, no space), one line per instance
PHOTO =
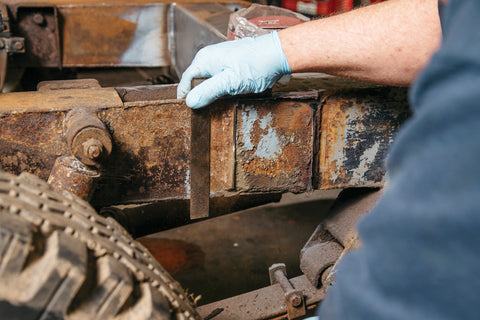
386,43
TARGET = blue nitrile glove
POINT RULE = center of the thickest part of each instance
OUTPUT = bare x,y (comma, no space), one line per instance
248,65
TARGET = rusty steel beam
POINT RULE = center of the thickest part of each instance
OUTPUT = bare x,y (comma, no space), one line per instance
258,145
356,129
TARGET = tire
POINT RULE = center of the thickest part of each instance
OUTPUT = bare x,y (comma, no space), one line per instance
59,259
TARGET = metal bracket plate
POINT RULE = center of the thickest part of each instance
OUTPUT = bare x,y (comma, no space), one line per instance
200,164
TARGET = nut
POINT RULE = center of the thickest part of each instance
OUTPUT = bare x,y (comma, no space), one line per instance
93,148
295,300
94,152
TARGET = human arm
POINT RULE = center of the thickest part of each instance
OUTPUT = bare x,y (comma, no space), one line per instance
386,43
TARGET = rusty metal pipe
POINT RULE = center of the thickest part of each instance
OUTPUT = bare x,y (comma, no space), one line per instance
69,174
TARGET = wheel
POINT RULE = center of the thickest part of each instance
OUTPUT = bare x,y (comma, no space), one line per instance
59,259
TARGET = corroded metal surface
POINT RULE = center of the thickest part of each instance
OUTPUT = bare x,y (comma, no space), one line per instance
200,164
31,142
357,127
88,138
69,174
151,154
222,147
87,33
39,26
257,145
293,297
126,34
265,303
274,146
58,100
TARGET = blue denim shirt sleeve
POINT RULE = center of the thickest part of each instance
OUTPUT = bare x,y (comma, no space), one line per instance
420,257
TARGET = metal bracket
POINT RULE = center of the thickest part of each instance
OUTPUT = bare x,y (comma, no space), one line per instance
38,24
293,297
200,164
8,44
12,45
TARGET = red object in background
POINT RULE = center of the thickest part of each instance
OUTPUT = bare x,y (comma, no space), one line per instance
320,8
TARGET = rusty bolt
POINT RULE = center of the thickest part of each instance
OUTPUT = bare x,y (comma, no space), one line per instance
94,152
93,148
295,300
38,19
2,44
18,45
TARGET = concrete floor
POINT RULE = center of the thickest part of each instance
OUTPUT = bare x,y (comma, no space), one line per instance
229,255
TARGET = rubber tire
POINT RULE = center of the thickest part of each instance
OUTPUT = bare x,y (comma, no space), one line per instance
59,259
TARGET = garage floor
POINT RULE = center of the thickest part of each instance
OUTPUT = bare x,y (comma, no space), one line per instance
230,255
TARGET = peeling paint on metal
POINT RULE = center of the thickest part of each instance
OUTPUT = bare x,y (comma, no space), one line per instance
249,116
266,121
187,182
274,143
269,146
356,129
348,133
366,160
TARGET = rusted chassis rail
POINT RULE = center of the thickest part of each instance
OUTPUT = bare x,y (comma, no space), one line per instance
257,145
141,145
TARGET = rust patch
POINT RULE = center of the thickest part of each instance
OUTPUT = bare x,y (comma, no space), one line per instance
150,156
274,146
357,128
69,174
131,35
222,148
263,145
85,44
31,142
58,100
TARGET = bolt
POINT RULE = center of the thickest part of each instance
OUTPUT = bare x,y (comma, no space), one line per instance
2,44
18,46
295,300
93,148
38,19
94,152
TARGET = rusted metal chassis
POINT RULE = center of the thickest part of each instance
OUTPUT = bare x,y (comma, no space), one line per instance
257,145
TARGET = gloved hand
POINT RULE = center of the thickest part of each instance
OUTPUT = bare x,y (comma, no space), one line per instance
248,65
